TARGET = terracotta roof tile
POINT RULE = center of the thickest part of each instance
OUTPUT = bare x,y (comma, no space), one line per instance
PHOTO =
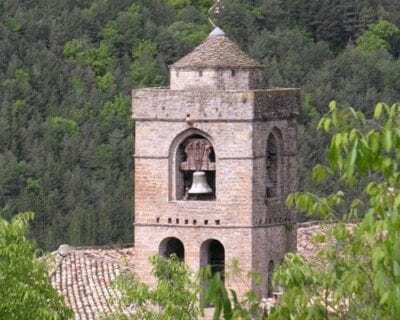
217,51
306,246
84,278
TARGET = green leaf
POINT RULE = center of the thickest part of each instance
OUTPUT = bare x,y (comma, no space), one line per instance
396,268
378,110
377,256
385,297
387,139
319,173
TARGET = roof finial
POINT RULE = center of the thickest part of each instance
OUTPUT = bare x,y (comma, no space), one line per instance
216,32
217,6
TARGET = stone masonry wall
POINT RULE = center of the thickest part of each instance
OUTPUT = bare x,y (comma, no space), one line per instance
237,123
215,79
236,241
207,105
268,244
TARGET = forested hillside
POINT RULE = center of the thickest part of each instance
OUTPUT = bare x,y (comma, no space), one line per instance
67,68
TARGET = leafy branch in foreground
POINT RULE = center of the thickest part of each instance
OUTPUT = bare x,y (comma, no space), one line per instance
25,290
174,295
357,276
178,294
226,303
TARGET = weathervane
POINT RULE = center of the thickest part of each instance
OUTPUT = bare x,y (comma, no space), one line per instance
216,10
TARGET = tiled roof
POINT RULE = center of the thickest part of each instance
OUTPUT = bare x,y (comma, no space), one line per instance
217,51
84,277
305,234
307,247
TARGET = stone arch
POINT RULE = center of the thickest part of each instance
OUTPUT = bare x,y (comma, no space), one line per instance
212,253
170,246
181,178
186,134
273,164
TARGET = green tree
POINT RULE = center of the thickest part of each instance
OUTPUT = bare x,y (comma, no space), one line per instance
381,35
69,61
188,35
357,273
145,68
25,291
173,297
349,18
176,295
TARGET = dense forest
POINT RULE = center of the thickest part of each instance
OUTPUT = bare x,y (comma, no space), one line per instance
67,68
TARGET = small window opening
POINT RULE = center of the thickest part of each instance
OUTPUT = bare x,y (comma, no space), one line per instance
158,220
177,221
217,222
271,268
272,167
186,221
206,222
233,73
169,220
194,222
200,73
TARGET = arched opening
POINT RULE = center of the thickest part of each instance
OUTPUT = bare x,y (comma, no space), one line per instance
170,246
271,267
272,167
212,253
195,169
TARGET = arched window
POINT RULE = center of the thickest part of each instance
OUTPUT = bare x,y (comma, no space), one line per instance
170,246
272,164
212,253
271,268
195,169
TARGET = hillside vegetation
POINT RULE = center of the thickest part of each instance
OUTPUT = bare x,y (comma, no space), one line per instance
67,68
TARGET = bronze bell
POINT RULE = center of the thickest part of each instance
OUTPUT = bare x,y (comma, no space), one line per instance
199,184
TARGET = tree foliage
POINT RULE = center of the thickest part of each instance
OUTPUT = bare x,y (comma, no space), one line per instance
25,291
381,35
357,275
176,294
173,297
67,69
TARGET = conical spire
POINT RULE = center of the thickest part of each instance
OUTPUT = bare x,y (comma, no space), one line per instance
217,52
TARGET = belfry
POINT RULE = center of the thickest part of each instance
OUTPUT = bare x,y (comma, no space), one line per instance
215,158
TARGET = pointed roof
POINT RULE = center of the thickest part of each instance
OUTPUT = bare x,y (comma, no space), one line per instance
216,52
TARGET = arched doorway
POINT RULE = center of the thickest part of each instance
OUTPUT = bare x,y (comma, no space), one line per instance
170,246
212,253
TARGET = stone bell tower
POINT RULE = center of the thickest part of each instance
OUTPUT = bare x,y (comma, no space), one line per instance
215,157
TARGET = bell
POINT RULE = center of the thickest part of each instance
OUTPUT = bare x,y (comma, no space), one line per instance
199,184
